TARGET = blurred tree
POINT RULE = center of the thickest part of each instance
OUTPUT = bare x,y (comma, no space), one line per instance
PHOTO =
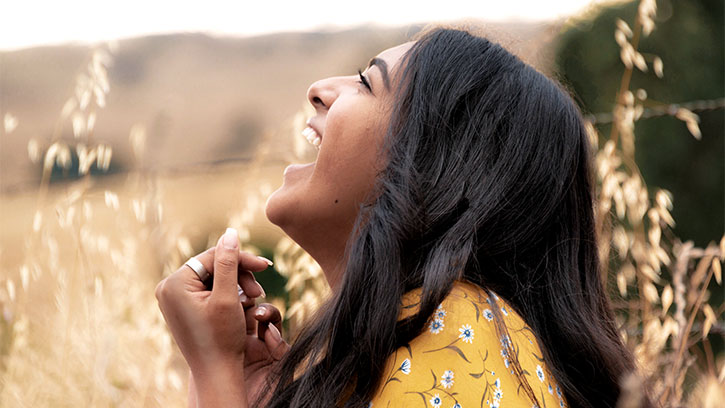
689,39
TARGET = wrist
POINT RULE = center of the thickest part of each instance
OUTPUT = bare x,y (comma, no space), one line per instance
211,363
220,384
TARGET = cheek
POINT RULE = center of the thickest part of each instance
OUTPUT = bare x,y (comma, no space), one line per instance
348,164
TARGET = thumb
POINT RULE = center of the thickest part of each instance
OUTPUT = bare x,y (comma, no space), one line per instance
226,260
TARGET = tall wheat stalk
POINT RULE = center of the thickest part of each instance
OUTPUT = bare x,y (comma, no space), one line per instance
652,268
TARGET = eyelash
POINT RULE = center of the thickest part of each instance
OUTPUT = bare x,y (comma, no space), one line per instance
364,81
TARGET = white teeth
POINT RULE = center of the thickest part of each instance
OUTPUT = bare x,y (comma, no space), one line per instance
312,136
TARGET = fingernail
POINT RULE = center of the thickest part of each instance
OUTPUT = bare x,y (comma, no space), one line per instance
270,263
230,239
243,297
260,311
264,295
275,333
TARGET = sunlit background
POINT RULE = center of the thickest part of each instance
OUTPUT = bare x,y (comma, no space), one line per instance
133,133
91,21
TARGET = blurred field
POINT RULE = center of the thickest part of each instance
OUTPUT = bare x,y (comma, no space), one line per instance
195,204
200,98
80,322
200,129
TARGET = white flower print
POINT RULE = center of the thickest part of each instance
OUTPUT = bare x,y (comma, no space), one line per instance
504,311
504,351
436,326
440,313
466,333
457,405
497,383
405,367
488,314
436,401
447,379
505,340
540,373
497,394
551,390
558,391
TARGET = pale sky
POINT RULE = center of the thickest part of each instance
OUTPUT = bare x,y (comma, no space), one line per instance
25,23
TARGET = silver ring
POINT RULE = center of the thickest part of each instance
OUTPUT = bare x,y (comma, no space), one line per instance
197,267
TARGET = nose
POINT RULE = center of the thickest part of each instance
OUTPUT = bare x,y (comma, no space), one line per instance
322,94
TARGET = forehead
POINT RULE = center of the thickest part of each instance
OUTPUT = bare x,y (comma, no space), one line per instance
393,55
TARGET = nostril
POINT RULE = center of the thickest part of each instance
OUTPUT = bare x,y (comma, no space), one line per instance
317,101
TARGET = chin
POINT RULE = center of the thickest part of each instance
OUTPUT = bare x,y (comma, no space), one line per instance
274,210
284,211
286,208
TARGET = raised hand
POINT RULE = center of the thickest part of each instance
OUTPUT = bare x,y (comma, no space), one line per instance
210,326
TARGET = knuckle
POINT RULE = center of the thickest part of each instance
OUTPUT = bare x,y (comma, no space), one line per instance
270,307
226,262
223,305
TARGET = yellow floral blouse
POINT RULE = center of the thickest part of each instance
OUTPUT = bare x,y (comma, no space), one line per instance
460,362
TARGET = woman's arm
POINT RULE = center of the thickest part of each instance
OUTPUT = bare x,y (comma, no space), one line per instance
221,386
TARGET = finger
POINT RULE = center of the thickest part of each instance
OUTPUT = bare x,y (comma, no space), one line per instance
247,261
254,263
249,284
267,314
276,346
247,301
206,258
226,263
252,325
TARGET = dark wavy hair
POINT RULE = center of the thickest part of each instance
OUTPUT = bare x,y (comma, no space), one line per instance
488,180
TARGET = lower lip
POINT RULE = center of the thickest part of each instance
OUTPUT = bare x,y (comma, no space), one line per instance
296,168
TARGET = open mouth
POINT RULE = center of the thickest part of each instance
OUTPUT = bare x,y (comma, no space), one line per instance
312,136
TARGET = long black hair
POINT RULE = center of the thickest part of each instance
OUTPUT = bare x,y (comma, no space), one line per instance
488,180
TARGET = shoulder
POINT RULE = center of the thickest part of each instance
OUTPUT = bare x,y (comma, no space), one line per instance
461,360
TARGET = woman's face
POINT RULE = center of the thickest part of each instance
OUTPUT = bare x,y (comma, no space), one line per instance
318,202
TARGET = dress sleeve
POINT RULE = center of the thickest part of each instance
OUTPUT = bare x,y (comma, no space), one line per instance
459,361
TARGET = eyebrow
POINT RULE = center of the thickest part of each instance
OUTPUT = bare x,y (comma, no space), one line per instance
383,66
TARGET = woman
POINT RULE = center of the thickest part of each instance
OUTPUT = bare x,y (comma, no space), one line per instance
452,185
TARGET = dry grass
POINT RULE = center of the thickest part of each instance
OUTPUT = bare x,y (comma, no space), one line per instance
80,325
662,281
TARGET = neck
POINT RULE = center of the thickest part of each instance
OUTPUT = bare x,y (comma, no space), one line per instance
330,257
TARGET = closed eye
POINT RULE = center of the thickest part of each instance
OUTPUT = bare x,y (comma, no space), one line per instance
364,81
